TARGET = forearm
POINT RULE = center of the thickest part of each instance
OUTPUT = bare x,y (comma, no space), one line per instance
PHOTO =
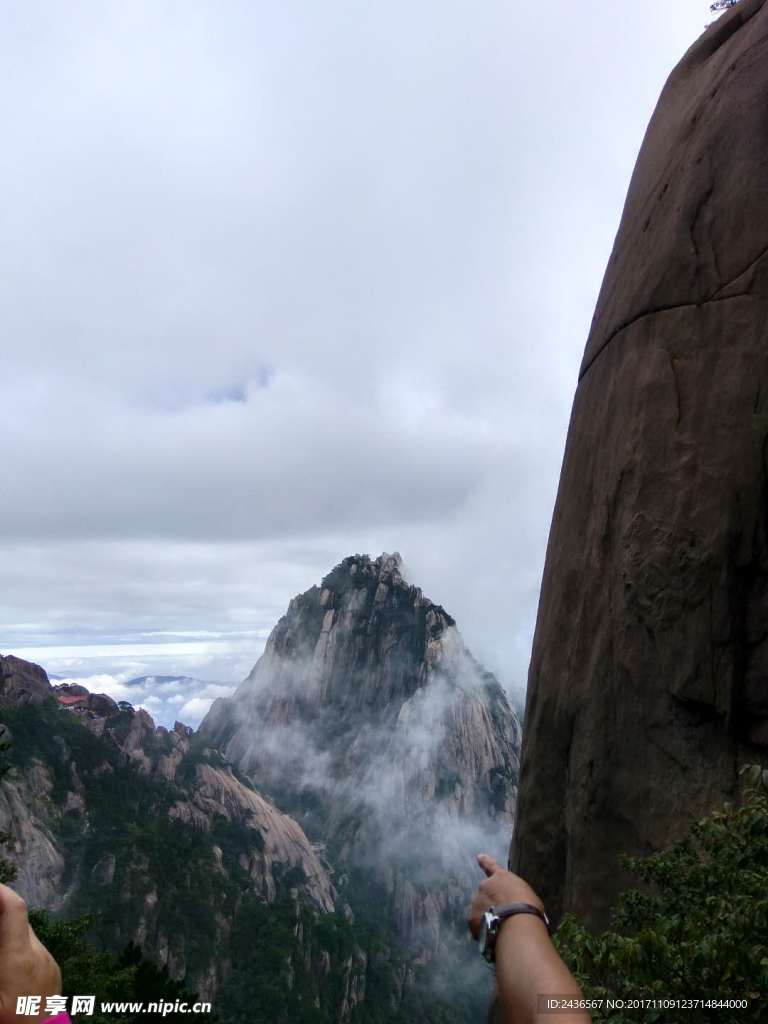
26,966
528,966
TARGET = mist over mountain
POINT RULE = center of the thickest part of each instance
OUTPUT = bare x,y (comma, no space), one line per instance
369,721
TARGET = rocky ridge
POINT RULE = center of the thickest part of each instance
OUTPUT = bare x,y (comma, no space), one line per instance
77,750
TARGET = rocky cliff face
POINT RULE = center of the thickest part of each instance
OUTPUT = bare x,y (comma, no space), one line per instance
368,719
648,683
146,827
22,682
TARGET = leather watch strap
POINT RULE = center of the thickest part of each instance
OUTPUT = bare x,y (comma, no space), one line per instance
510,909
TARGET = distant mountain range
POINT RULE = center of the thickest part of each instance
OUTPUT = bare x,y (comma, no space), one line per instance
164,680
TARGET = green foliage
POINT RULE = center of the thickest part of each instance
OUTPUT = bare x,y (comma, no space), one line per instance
268,981
698,928
111,977
129,820
199,753
86,969
291,965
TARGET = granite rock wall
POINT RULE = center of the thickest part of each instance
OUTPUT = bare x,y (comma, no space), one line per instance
648,682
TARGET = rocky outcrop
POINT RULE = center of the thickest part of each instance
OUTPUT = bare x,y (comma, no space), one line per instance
34,849
648,683
21,681
215,791
368,720
108,814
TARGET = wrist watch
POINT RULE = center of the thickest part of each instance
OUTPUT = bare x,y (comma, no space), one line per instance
493,920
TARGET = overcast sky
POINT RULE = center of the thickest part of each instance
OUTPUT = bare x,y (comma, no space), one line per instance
285,281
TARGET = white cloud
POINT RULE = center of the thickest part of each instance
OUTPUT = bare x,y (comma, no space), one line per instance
196,708
103,683
161,698
151,703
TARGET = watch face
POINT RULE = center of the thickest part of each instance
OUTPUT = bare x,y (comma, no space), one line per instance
486,936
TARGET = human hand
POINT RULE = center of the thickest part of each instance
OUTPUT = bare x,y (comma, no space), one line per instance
497,888
26,966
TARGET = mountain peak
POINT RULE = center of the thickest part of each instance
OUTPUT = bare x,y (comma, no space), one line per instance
368,720
364,567
362,641
379,576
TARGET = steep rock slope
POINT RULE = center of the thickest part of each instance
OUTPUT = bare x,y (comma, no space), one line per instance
368,719
648,682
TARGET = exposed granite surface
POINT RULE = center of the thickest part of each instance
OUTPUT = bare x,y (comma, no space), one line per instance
52,806
648,683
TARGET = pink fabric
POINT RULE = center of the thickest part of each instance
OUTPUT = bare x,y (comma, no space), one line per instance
60,1018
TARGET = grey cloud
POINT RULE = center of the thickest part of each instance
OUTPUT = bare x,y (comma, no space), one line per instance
285,282
285,461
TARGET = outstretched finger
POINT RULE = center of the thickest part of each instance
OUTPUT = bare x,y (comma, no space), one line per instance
488,864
